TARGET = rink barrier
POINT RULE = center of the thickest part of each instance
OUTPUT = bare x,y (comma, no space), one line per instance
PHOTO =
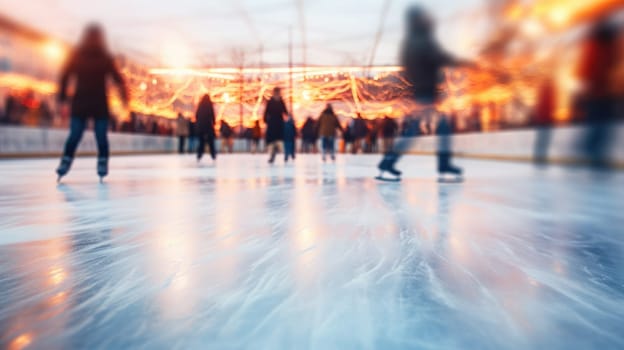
511,145
519,145
16,142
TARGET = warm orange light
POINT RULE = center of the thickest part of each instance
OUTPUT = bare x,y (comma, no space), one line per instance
54,51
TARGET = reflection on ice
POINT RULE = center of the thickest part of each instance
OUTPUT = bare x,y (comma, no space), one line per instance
310,256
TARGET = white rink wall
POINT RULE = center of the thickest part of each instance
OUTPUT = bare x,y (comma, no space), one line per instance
565,144
18,141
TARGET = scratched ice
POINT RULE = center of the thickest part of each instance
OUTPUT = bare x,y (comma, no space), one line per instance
168,254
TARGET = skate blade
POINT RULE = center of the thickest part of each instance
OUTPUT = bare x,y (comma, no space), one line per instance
386,179
450,181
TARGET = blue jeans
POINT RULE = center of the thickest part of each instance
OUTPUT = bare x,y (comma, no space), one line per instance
76,130
327,144
289,149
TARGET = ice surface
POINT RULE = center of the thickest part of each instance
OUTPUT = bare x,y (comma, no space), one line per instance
168,254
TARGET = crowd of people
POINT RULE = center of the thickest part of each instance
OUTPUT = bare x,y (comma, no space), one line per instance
423,60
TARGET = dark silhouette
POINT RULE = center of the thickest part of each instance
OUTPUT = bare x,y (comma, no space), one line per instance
182,130
327,125
309,136
90,65
274,120
423,60
598,64
290,134
389,130
359,133
205,119
256,135
227,137
192,139
544,117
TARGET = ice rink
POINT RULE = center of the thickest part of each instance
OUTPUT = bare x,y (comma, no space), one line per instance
240,255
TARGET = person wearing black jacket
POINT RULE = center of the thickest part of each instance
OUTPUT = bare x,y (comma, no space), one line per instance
274,120
90,65
423,61
205,119
309,136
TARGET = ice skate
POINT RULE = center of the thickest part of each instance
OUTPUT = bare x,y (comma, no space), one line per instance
64,167
454,171
102,168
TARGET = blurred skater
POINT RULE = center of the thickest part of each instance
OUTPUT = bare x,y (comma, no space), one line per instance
598,65
327,125
423,60
544,117
182,130
274,120
90,65
205,119
227,137
290,135
309,136
389,130
256,135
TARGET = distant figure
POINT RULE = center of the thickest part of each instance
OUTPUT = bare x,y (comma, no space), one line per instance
544,117
372,137
91,65
360,132
205,119
309,136
327,125
423,60
182,129
256,135
274,120
227,137
192,139
290,135
389,130
598,64
347,137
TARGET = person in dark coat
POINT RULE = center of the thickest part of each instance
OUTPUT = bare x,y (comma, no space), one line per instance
91,65
227,136
256,135
423,60
274,120
360,131
389,130
598,64
290,135
205,127
309,136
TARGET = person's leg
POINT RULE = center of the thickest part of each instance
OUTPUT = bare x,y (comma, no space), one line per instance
201,146
212,146
76,130
101,137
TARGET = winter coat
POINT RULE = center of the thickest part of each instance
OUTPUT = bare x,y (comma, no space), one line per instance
308,131
290,131
182,126
205,119
389,128
274,119
91,68
327,124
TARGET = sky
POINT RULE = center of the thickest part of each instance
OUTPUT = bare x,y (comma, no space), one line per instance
214,32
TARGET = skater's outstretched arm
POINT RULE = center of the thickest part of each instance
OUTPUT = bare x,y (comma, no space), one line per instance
66,74
119,81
